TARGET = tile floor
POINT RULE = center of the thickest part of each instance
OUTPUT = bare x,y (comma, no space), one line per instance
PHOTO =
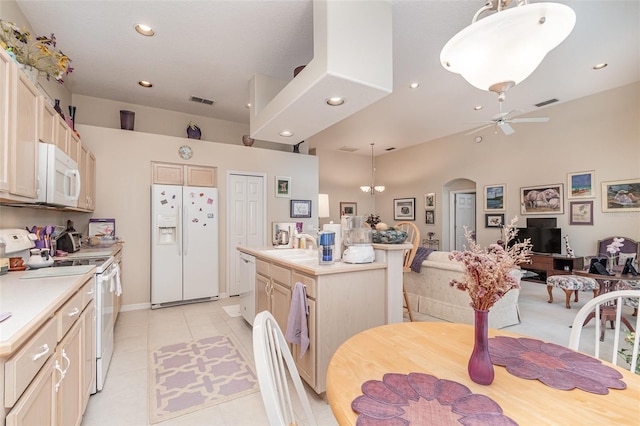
124,399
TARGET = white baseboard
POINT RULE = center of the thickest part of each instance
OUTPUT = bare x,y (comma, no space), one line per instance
142,306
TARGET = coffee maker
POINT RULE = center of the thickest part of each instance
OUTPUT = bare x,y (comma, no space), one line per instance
357,237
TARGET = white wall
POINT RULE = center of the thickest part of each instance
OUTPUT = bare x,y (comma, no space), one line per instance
599,132
124,175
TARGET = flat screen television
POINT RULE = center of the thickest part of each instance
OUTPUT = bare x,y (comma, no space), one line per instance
543,240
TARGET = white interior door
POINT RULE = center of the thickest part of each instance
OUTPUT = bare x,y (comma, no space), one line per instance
465,216
246,220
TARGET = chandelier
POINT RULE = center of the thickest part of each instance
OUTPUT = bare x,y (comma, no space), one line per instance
373,188
503,49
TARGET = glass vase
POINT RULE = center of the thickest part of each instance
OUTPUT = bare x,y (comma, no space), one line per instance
480,367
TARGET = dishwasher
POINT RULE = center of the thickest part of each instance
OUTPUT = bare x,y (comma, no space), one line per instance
247,299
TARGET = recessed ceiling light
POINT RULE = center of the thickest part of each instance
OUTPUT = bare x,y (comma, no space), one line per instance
478,139
144,83
286,134
599,66
414,85
247,106
477,107
335,101
145,30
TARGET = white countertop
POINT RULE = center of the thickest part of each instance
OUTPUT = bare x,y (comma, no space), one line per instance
31,302
313,267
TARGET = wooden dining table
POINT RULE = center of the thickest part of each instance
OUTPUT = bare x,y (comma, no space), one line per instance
442,350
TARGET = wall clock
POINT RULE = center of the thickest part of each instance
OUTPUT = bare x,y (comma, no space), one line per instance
185,152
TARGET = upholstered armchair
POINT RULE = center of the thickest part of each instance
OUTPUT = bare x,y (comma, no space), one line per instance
630,248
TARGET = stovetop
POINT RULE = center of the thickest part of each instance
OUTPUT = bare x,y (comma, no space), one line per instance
101,263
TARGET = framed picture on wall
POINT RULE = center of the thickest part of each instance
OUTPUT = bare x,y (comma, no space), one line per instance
430,201
543,199
430,217
621,196
283,186
300,208
404,209
581,185
493,220
495,198
348,208
581,213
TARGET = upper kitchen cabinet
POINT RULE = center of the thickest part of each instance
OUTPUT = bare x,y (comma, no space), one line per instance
181,174
87,166
18,169
47,119
5,96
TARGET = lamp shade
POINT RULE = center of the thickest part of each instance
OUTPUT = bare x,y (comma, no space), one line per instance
323,205
508,45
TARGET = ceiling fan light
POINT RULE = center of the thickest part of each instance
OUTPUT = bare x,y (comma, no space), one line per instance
508,45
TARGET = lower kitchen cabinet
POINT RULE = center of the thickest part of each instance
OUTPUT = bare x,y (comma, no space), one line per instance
49,383
37,406
340,306
69,384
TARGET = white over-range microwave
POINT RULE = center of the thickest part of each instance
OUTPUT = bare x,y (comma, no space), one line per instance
58,177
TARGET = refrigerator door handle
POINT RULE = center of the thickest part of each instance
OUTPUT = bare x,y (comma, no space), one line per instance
185,230
179,230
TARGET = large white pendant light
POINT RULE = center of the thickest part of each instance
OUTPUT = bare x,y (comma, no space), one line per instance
373,188
499,51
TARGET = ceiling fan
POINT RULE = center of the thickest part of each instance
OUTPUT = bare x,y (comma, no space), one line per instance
503,120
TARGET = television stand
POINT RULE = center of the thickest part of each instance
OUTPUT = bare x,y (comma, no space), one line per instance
551,264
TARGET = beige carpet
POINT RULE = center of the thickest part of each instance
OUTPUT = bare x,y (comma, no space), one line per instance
190,376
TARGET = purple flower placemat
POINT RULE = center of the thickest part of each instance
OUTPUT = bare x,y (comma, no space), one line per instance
554,365
422,399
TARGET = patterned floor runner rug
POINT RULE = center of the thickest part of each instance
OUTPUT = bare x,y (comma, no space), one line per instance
190,376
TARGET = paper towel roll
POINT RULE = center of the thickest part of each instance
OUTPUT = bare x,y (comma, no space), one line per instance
335,227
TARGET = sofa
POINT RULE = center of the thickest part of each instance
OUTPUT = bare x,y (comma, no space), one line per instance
430,293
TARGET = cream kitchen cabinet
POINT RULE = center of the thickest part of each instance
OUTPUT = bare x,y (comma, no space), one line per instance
48,379
61,134
87,166
181,174
47,122
343,300
73,146
273,291
19,133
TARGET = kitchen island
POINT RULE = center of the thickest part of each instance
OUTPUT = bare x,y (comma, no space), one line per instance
343,299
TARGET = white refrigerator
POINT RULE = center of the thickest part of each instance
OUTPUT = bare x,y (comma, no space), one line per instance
184,244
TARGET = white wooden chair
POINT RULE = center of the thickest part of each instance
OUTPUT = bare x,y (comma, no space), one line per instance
606,307
413,238
273,360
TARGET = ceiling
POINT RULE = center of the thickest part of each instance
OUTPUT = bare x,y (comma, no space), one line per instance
212,48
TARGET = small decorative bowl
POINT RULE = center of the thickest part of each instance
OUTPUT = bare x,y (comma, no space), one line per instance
390,236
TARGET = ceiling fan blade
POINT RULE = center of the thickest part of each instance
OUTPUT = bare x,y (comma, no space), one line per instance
479,128
511,113
506,129
530,120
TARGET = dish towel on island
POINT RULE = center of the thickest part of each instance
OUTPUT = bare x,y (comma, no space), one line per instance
297,328
421,255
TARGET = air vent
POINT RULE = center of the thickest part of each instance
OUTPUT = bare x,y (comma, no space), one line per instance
201,100
390,149
348,149
550,101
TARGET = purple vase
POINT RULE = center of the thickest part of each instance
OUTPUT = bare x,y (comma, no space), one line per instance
480,367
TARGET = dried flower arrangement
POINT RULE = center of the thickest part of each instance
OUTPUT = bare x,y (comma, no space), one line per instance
39,54
488,274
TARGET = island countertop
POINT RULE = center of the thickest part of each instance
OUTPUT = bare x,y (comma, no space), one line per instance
306,260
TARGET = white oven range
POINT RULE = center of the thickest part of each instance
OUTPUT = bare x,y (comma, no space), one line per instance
107,278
